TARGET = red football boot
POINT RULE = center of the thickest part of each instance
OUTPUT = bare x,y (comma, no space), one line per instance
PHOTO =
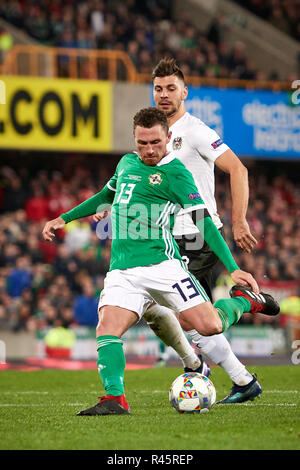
260,303
108,405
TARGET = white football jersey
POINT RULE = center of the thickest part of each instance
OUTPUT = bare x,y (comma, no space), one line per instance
197,146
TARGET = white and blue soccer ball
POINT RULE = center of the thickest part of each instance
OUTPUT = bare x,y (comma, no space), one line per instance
192,393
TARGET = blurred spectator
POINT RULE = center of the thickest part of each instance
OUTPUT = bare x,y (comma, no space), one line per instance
37,205
5,321
78,234
216,30
56,26
12,11
59,341
278,19
48,250
33,249
96,19
20,278
237,59
86,305
23,320
66,264
6,43
36,24
15,193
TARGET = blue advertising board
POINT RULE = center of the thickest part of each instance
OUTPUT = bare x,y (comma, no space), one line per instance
253,123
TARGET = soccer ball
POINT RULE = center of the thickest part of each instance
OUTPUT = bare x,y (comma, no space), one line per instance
192,393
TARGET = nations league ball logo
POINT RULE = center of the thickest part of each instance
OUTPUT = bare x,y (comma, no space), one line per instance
177,143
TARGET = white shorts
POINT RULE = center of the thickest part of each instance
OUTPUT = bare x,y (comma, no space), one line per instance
168,283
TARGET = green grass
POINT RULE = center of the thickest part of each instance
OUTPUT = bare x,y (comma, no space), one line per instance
38,411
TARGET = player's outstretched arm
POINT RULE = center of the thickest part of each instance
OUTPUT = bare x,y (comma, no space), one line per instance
217,243
98,202
100,216
50,227
242,278
230,163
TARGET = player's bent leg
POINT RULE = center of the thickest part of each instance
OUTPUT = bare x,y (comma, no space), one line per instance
166,326
204,318
245,385
185,325
259,303
230,313
113,323
204,368
115,320
217,349
210,319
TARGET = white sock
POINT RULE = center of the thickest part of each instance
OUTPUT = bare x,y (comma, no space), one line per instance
217,349
236,370
166,326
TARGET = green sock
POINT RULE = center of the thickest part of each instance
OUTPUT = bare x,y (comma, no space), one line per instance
231,310
111,363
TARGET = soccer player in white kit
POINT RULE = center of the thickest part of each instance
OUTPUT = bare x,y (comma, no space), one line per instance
200,148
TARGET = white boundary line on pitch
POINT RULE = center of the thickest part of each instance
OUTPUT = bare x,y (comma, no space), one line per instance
259,404
35,392
40,404
83,404
29,392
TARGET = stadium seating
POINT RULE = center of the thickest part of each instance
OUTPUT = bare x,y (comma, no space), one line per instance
283,15
145,33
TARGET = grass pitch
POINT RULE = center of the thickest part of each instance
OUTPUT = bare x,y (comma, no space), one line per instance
38,412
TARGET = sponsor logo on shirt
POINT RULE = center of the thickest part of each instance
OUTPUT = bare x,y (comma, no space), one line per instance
155,179
194,196
217,143
133,177
177,143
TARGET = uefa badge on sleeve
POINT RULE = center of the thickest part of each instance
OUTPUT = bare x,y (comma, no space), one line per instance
217,143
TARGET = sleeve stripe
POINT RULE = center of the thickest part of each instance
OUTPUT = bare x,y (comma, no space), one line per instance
110,187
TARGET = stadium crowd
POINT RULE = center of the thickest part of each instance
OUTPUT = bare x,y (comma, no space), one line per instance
58,284
145,30
283,14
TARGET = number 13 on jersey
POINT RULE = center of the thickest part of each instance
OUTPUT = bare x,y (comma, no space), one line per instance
184,286
126,192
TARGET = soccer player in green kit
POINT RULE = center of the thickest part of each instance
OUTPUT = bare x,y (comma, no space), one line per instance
146,192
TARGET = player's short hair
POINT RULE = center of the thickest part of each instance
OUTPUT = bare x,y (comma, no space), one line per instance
166,67
149,117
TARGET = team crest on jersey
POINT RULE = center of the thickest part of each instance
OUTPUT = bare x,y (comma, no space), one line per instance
155,179
177,143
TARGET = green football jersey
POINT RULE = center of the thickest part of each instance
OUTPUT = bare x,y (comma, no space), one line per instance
146,201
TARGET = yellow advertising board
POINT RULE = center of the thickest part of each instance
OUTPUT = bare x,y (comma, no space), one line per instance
56,114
